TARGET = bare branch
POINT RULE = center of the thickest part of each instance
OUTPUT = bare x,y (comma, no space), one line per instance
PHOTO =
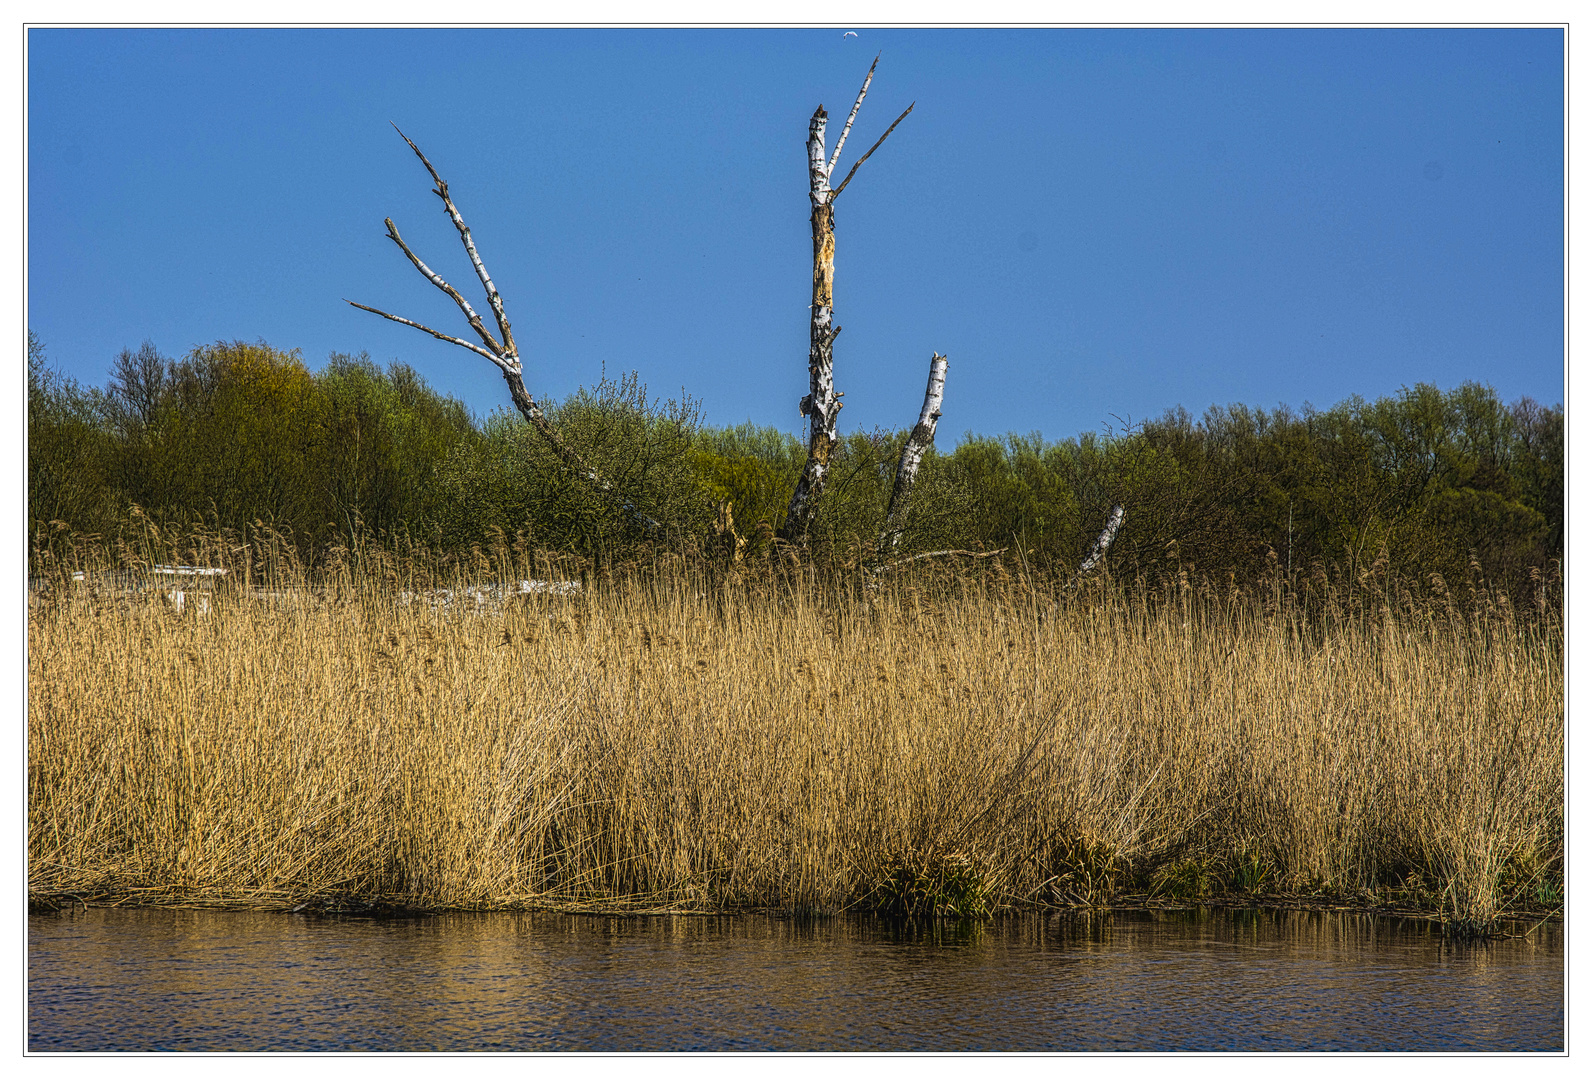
437,280
504,354
869,154
935,554
439,336
469,245
850,119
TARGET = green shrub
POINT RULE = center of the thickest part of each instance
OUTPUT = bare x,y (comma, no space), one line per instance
1423,486
511,481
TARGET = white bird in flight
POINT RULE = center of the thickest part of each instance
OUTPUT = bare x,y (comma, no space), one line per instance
849,33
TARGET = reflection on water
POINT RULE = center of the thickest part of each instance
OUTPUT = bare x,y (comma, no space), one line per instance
194,980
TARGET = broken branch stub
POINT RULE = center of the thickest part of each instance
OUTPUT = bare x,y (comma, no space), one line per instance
501,349
822,404
917,444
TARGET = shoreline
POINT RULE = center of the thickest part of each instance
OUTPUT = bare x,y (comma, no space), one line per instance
337,905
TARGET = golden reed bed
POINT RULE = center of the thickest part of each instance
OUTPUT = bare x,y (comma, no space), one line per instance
685,741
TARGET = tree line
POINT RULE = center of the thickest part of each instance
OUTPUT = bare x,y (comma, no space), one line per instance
238,436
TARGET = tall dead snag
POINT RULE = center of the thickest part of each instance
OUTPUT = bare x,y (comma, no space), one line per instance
918,443
504,353
822,404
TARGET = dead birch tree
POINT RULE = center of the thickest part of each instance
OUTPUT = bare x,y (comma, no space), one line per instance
501,349
1108,534
822,404
917,444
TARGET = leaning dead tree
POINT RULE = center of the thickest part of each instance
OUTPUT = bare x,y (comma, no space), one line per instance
1108,534
500,349
822,404
917,444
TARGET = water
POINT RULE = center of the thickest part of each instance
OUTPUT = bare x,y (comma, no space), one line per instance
191,980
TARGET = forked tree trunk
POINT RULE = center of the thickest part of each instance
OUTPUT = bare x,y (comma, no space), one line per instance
822,404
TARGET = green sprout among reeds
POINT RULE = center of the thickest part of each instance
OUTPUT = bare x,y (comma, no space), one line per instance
942,885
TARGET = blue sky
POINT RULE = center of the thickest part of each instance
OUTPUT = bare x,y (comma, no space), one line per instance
1090,223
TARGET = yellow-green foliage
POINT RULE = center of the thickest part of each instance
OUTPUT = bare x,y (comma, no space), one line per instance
688,739
754,468
1425,482
247,429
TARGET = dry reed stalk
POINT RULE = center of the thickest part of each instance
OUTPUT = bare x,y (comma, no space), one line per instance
695,742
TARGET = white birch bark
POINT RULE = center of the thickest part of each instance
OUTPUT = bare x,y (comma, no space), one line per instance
1098,552
840,143
822,404
917,444
492,296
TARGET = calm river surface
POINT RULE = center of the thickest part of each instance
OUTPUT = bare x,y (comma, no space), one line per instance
147,980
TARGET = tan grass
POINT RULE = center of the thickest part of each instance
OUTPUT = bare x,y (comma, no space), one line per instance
686,741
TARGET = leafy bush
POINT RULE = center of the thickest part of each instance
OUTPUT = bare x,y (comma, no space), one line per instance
1425,485
70,452
511,480
239,433
1418,484
754,468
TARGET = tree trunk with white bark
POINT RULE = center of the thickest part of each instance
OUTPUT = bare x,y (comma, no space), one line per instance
822,404
1108,534
918,443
